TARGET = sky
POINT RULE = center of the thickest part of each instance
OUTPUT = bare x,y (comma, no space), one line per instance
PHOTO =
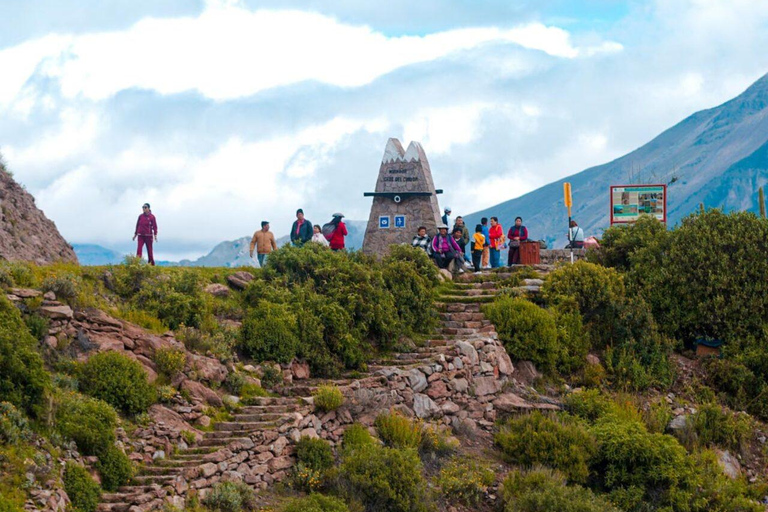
224,113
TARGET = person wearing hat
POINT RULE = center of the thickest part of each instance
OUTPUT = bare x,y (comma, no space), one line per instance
264,242
146,229
446,251
447,220
301,231
339,232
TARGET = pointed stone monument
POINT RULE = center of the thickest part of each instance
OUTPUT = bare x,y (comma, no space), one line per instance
405,198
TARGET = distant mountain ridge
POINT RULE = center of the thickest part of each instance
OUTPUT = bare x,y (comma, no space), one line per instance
231,253
718,157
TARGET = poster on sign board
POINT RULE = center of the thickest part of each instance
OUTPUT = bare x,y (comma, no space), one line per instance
629,202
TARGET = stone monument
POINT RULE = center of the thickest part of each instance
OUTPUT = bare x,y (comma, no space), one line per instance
405,198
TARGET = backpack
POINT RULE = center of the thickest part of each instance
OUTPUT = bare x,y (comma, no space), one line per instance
328,230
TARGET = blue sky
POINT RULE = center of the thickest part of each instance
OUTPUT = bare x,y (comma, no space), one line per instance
222,113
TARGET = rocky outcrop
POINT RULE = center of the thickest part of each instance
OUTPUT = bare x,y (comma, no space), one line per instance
26,234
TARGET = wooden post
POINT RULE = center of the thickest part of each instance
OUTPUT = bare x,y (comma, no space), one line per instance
761,200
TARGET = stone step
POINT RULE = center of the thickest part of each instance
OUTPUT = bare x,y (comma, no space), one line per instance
114,506
137,489
154,479
458,307
237,426
160,470
220,442
262,416
183,463
272,400
195,452
462,299
264,409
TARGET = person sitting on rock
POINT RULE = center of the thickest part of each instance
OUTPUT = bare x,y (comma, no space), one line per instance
422,240
446,251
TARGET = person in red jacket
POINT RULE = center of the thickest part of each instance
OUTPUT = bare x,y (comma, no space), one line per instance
337,238
146,229
517,234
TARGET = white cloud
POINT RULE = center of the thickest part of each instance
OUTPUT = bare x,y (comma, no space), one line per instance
230,52
439,129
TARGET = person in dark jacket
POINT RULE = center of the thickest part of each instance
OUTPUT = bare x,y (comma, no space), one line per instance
517,234
146,229
339,232
301,231
422,240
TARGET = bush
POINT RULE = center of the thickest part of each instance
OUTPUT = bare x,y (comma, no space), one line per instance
23,379
115,469
314,453
251,390
315,503
397,431
14,427
356,436
83,491
306,479
234,382
527,331
465,481
598,292
543,490
411,278
589,405
37,325
118,380
715,426
64,286
384,479
230,497
269,333
624,246
328,398
87,421
166,394
437,441
170,361
176,299
560,442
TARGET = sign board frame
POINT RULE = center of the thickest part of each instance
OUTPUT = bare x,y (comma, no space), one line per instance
385,224
653,189
399,218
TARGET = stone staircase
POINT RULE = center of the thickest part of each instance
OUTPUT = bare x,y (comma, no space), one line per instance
461,319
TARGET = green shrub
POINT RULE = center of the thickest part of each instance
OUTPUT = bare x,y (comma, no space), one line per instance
234,382
83,491
21,273
437,441
230,497
624,246
269,333
37,325
465,481
131,276
328,398
271,376
170,361
176,302
657,416
639,467
356,436
23,379
397,431
314,453
572,338
166,394
315,503
594,375
384,479
559,442
14,427
411,278
543,490
115,469
715,426
589,405
527,331
306,479
9,505
89,422
64,286
118,380
251,390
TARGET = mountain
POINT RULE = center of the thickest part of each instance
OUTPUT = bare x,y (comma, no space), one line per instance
718,157
26,234
92,254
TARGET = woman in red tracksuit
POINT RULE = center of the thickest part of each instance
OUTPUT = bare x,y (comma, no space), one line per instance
337,238
146,229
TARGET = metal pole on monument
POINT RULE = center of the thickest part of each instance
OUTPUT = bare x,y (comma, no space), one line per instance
568,199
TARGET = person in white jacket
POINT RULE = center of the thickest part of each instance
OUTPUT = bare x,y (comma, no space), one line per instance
318,236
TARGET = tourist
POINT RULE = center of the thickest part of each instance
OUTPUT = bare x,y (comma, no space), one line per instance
478,247
445,250
146,229
575,236
318,237
264,242
485,262
447,216
339,232
517,234
496,234
422,240
458,236
464,231
301,231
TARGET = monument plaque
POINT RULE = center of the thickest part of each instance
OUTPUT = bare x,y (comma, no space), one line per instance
405,198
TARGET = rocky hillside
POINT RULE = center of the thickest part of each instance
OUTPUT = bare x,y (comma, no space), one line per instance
26,234
718,157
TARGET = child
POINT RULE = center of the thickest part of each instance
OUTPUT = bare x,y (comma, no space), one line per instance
478,244
318,237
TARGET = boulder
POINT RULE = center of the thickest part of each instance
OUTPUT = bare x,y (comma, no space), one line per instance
459,385
171,420
240,280
207,368
202,393
593,359
510,402
486,386
300,370
504,362
729,463
678,423
444,275
57,312
217,290
416,380
467,350
49,295
437,389
26,293
526,372
424,407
